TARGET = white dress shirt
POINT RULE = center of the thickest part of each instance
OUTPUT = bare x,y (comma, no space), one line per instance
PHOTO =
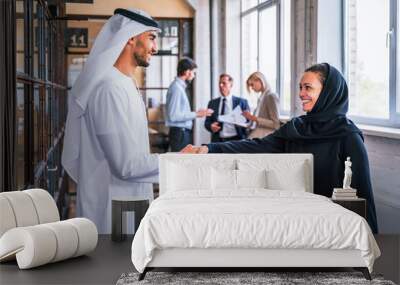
228,130
178,107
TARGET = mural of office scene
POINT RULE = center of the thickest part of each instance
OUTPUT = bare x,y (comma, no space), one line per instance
181,141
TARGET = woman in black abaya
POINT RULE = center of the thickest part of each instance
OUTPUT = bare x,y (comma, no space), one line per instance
324,131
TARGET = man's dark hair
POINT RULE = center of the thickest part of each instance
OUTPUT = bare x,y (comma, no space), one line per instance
185,64
230,78
321,69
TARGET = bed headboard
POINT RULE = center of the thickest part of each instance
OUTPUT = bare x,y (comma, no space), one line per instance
284,170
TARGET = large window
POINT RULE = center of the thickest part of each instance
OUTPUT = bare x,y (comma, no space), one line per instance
265,30
40,95
174,43
370,60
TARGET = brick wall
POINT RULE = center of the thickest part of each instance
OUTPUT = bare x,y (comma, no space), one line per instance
384,159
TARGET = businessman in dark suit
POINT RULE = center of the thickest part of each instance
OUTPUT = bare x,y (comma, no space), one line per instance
221,132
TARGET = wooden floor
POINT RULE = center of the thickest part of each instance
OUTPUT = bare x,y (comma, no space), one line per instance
111,259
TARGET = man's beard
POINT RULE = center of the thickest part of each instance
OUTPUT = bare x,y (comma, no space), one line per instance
141,61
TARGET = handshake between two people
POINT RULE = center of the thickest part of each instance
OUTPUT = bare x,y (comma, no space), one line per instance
194,149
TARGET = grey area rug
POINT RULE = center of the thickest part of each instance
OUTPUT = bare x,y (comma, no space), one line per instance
228,278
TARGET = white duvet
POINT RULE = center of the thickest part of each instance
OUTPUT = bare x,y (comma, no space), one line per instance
250,219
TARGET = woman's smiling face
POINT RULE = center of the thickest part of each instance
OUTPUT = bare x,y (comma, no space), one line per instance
310,89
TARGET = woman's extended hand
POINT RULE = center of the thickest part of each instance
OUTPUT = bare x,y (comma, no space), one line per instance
249,116
194,149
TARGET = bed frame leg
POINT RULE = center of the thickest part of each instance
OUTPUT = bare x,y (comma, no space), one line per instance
364,271
143,274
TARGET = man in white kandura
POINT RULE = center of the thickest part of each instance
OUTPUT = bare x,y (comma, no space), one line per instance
106,146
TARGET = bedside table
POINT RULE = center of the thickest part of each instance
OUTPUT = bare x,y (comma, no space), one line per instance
358,205
136,204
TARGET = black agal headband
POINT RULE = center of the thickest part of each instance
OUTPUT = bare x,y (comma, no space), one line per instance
136,17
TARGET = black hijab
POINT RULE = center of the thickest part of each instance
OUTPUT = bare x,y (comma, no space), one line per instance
327,119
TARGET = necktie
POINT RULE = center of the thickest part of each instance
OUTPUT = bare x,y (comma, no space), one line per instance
223,106
223,111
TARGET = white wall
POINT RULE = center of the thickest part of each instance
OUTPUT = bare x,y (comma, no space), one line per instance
202,58
225,47
226,53
233,44
303,46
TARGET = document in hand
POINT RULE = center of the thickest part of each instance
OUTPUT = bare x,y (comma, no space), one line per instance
234,117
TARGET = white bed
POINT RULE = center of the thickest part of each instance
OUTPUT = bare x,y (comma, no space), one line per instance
247,211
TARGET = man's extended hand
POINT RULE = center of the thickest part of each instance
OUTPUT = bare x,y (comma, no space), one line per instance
204,113
215,127
194,149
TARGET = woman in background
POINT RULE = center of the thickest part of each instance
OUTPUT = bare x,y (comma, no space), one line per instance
266,115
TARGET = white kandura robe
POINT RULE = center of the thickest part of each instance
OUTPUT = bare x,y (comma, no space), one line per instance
115,157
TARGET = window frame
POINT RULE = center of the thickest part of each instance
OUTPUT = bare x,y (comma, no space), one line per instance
394,65
46,172
280,70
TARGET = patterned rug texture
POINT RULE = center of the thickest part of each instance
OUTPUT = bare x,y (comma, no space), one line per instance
243,278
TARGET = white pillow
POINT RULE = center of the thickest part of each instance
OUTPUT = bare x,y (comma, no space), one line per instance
285,174
188,177
223,179
292,177
251,178
231,180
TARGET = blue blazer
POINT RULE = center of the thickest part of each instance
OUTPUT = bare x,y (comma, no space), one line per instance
214,105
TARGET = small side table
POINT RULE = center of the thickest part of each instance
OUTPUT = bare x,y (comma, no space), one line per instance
358,206
139,205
